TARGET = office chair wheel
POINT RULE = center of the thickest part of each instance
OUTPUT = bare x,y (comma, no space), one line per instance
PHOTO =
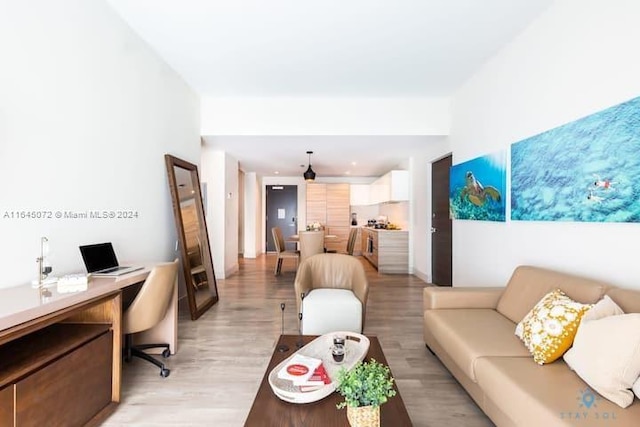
166,353
164,372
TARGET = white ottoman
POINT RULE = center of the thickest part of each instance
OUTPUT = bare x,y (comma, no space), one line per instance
327,310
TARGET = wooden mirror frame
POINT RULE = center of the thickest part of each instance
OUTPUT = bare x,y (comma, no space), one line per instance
197,304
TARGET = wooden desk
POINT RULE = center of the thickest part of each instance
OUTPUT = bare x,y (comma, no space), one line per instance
61,333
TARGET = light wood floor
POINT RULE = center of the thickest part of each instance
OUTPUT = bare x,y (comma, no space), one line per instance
223,355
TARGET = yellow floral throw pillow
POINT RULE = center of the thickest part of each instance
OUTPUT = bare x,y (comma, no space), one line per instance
549,328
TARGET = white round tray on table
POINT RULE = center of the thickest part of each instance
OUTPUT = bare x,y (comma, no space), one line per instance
356,346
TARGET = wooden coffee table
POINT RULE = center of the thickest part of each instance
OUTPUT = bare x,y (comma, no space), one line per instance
269,410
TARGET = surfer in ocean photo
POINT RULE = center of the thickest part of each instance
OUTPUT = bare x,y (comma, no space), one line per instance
593,198
603,183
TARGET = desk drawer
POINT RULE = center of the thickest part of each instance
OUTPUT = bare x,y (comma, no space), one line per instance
69,391
6,406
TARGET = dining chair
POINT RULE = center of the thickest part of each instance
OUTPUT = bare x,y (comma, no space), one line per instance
351,241
281,252
147,309
311,243
327,250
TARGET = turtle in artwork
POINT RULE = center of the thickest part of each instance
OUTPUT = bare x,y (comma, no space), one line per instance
476,193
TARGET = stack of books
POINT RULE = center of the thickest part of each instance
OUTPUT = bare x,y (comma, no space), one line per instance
305,372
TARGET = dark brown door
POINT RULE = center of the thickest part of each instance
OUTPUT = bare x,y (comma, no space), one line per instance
440,223
282,211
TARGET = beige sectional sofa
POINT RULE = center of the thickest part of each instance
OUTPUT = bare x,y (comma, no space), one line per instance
471,330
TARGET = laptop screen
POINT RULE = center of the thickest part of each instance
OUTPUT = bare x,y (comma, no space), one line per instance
98,257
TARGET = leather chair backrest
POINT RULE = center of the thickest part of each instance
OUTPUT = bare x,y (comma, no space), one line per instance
152,302
351,243
278,239
311,243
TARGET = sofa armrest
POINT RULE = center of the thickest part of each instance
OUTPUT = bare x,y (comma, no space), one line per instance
435,298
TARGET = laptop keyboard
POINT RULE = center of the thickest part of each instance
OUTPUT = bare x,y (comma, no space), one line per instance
110,270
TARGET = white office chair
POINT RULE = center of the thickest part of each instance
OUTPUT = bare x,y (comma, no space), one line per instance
147,309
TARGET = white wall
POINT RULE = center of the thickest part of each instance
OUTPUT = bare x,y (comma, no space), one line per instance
325,116
252,211
231,220
220,172
87,112
576,59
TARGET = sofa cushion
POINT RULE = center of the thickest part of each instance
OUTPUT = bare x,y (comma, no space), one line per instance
467,334
606,355
529,284
549,328
627,299
547,395
329,310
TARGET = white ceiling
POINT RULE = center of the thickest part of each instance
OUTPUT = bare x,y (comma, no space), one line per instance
328,48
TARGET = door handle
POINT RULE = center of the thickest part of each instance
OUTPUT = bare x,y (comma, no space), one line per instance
433,230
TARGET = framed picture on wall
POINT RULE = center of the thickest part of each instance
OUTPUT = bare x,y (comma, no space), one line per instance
477,188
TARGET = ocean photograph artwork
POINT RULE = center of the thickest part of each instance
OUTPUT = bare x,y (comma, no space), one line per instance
477,188
587,170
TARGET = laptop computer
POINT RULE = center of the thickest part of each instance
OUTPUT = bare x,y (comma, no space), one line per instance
100,260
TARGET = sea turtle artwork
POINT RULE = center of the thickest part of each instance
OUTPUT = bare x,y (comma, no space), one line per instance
476,193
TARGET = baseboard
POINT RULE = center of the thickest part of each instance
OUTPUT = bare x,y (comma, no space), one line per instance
421,275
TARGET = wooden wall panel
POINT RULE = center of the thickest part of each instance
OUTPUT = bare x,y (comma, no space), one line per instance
328,204
316,204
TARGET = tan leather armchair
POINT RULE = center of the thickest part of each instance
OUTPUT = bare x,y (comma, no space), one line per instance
336,271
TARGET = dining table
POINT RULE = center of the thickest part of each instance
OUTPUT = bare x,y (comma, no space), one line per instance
296,237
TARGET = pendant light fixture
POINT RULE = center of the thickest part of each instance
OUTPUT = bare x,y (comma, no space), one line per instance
309,175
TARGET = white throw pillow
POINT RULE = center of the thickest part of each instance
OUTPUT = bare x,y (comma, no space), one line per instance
604,308
606,355
636,388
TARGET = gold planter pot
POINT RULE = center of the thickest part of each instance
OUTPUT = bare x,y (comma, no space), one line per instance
363,416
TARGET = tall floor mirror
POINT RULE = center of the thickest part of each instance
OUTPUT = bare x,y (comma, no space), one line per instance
191,227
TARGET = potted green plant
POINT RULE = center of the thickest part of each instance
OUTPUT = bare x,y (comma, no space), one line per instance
365,387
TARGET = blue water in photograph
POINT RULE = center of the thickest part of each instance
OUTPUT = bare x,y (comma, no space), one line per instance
477,188
586,170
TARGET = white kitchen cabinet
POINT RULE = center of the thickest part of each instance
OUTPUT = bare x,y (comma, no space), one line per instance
359,195
399,185
391,187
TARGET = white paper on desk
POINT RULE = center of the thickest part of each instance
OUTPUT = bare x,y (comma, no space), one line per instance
281,214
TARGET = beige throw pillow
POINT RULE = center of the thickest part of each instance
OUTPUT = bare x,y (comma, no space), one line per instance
549,328
604,308
606,355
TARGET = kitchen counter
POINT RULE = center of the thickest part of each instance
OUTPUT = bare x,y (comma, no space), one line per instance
387,250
